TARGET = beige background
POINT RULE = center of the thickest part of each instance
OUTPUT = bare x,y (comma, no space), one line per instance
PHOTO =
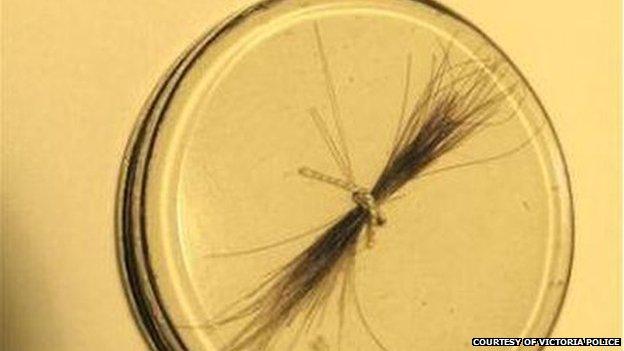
75,74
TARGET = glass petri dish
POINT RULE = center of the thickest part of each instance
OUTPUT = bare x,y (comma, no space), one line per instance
249,152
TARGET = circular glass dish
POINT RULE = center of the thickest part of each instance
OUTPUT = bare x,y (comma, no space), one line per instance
220,188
